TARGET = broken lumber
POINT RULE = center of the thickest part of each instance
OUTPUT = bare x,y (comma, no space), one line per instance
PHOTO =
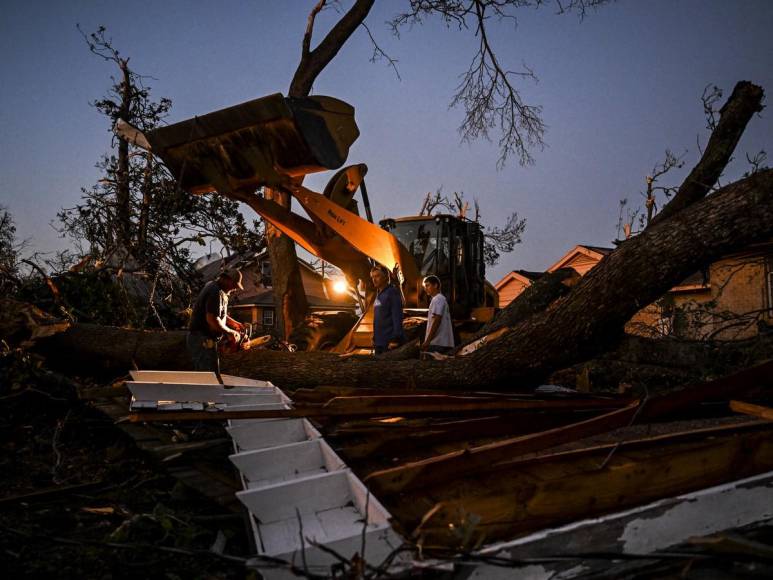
759,411
460,463
382,406
532,494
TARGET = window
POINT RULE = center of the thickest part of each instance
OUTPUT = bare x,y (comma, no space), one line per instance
268,317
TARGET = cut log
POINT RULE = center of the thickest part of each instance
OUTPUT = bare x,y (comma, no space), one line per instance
758,411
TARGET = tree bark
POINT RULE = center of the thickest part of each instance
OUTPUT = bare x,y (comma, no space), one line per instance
536,298
290,302
95,350
123,196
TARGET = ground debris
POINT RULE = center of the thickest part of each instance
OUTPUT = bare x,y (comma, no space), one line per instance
80,500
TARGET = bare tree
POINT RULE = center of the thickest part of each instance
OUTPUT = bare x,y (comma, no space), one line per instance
670,162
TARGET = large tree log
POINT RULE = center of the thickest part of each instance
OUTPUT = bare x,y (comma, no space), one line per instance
95,350
536,298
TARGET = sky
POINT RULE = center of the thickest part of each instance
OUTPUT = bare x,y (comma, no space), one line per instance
616,89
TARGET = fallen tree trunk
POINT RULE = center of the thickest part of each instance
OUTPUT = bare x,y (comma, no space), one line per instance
536,298
734,116
95,350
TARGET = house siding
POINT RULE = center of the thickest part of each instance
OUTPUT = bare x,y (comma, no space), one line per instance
510,290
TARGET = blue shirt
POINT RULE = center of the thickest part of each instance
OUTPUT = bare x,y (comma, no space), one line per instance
388,317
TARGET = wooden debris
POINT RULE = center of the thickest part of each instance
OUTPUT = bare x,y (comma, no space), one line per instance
549,490
388,406
765,413
460,463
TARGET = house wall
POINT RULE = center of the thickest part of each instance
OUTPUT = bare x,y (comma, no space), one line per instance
734,305
312,283
582,263
510,290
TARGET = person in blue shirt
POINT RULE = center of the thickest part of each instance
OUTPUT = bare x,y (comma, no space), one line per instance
387,311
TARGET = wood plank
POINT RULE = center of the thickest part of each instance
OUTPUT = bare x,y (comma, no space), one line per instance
653,527
759,411
190,377
384,409
460,463
392,440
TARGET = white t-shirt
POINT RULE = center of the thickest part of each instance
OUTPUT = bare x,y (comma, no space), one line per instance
445,332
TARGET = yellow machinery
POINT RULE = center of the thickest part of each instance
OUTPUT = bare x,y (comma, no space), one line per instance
273,142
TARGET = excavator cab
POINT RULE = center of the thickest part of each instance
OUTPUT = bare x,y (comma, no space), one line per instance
451,248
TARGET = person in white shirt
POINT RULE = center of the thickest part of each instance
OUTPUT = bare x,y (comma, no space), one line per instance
440,332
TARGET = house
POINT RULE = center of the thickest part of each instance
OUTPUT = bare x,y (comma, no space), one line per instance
732,299
255,304
582,258
513,284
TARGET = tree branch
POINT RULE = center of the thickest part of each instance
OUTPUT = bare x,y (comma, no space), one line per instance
313,62
306,45
734,116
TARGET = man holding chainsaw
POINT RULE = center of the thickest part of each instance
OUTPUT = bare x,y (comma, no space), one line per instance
210,321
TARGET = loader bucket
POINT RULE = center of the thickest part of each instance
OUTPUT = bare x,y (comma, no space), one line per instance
260,142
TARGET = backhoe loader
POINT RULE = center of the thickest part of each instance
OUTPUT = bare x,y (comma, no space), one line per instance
273,142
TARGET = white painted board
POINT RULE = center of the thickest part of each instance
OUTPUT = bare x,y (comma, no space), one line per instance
190,377
259,434
286,462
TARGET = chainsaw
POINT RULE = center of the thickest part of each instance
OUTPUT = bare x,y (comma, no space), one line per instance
228,344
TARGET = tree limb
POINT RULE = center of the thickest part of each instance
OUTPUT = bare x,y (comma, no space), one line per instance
734,116
314,61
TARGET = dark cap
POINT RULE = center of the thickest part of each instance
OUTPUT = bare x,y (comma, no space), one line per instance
235,275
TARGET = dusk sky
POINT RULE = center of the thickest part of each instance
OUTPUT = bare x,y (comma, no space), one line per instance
617,89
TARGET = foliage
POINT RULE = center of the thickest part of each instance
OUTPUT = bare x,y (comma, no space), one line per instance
136,218
9,258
